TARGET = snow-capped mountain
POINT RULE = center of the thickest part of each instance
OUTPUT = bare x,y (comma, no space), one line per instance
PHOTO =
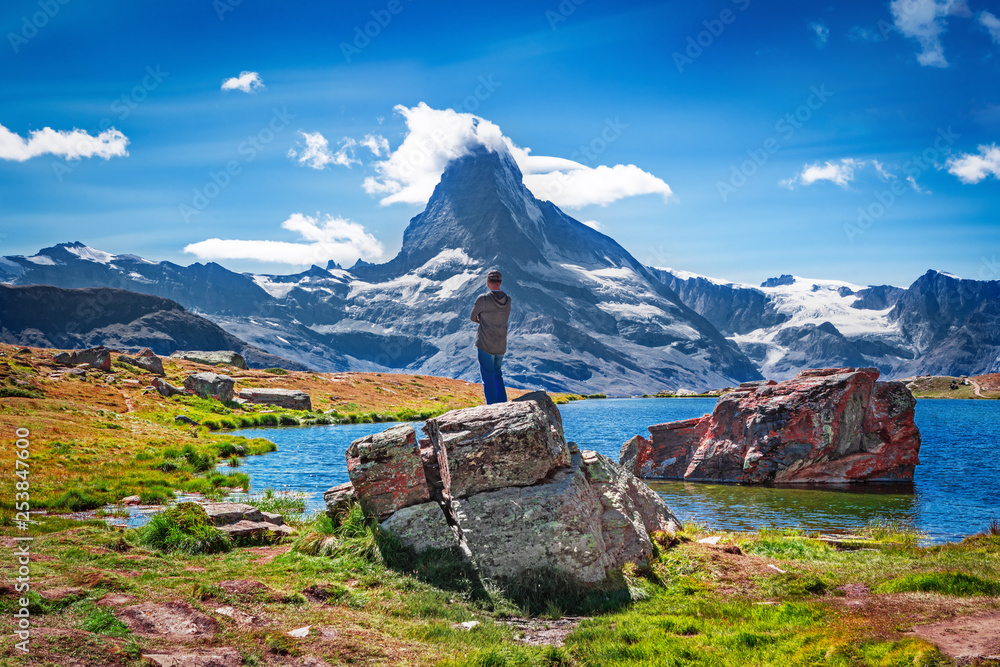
587,316
941,324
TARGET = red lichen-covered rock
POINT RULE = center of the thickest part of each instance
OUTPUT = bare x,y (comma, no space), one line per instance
828,425
387,471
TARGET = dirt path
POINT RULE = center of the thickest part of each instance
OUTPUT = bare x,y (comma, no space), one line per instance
966,638
129,403
976,389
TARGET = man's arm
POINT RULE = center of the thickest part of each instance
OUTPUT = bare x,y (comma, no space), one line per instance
476,309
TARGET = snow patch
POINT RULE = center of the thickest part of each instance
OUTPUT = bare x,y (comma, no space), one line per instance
275,289
90,254
42,260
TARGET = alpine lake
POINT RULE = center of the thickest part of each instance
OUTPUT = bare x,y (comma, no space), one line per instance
955,492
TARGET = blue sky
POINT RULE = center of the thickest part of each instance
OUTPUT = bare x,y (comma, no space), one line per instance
768,138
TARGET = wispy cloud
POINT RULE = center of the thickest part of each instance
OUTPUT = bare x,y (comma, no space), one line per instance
992,25
376,143
316,152
248,82
821,34
924,21
860,34
437,136
840,173
974,167
69,144
339,239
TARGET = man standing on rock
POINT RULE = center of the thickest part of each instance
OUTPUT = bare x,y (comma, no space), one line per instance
492,311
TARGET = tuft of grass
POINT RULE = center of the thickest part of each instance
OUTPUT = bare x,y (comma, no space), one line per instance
102,621
10,391
270,500
184,528
897,532
276,371
78,501
945,583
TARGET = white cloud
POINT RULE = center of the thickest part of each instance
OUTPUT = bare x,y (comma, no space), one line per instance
821,32
916,186
69,144
593,224
436,137
317,154
339,239
992,25
840,173
972,167
924,20
880,168
376,143
248,82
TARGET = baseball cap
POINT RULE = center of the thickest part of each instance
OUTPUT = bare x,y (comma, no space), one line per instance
494,276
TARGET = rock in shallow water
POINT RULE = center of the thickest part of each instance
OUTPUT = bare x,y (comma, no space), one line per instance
831,425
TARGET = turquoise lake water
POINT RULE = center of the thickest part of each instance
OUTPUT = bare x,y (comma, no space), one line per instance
956,488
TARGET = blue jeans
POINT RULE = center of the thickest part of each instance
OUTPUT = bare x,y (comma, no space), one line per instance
493,387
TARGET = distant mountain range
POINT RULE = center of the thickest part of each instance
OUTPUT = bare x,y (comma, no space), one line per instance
587,316
939,325
46,316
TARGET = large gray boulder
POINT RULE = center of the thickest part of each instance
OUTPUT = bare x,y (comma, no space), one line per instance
514,497
146,360
291,399
495,446
213,357
97,357
211,385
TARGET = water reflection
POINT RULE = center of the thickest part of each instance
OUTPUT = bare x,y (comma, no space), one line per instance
739,507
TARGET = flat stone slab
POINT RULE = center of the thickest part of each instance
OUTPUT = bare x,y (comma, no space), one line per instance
221,657
246,528
293,399
223,514
176,618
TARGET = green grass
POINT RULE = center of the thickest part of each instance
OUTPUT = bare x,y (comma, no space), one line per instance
183,528
103,621
9,391
278,503
945,583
